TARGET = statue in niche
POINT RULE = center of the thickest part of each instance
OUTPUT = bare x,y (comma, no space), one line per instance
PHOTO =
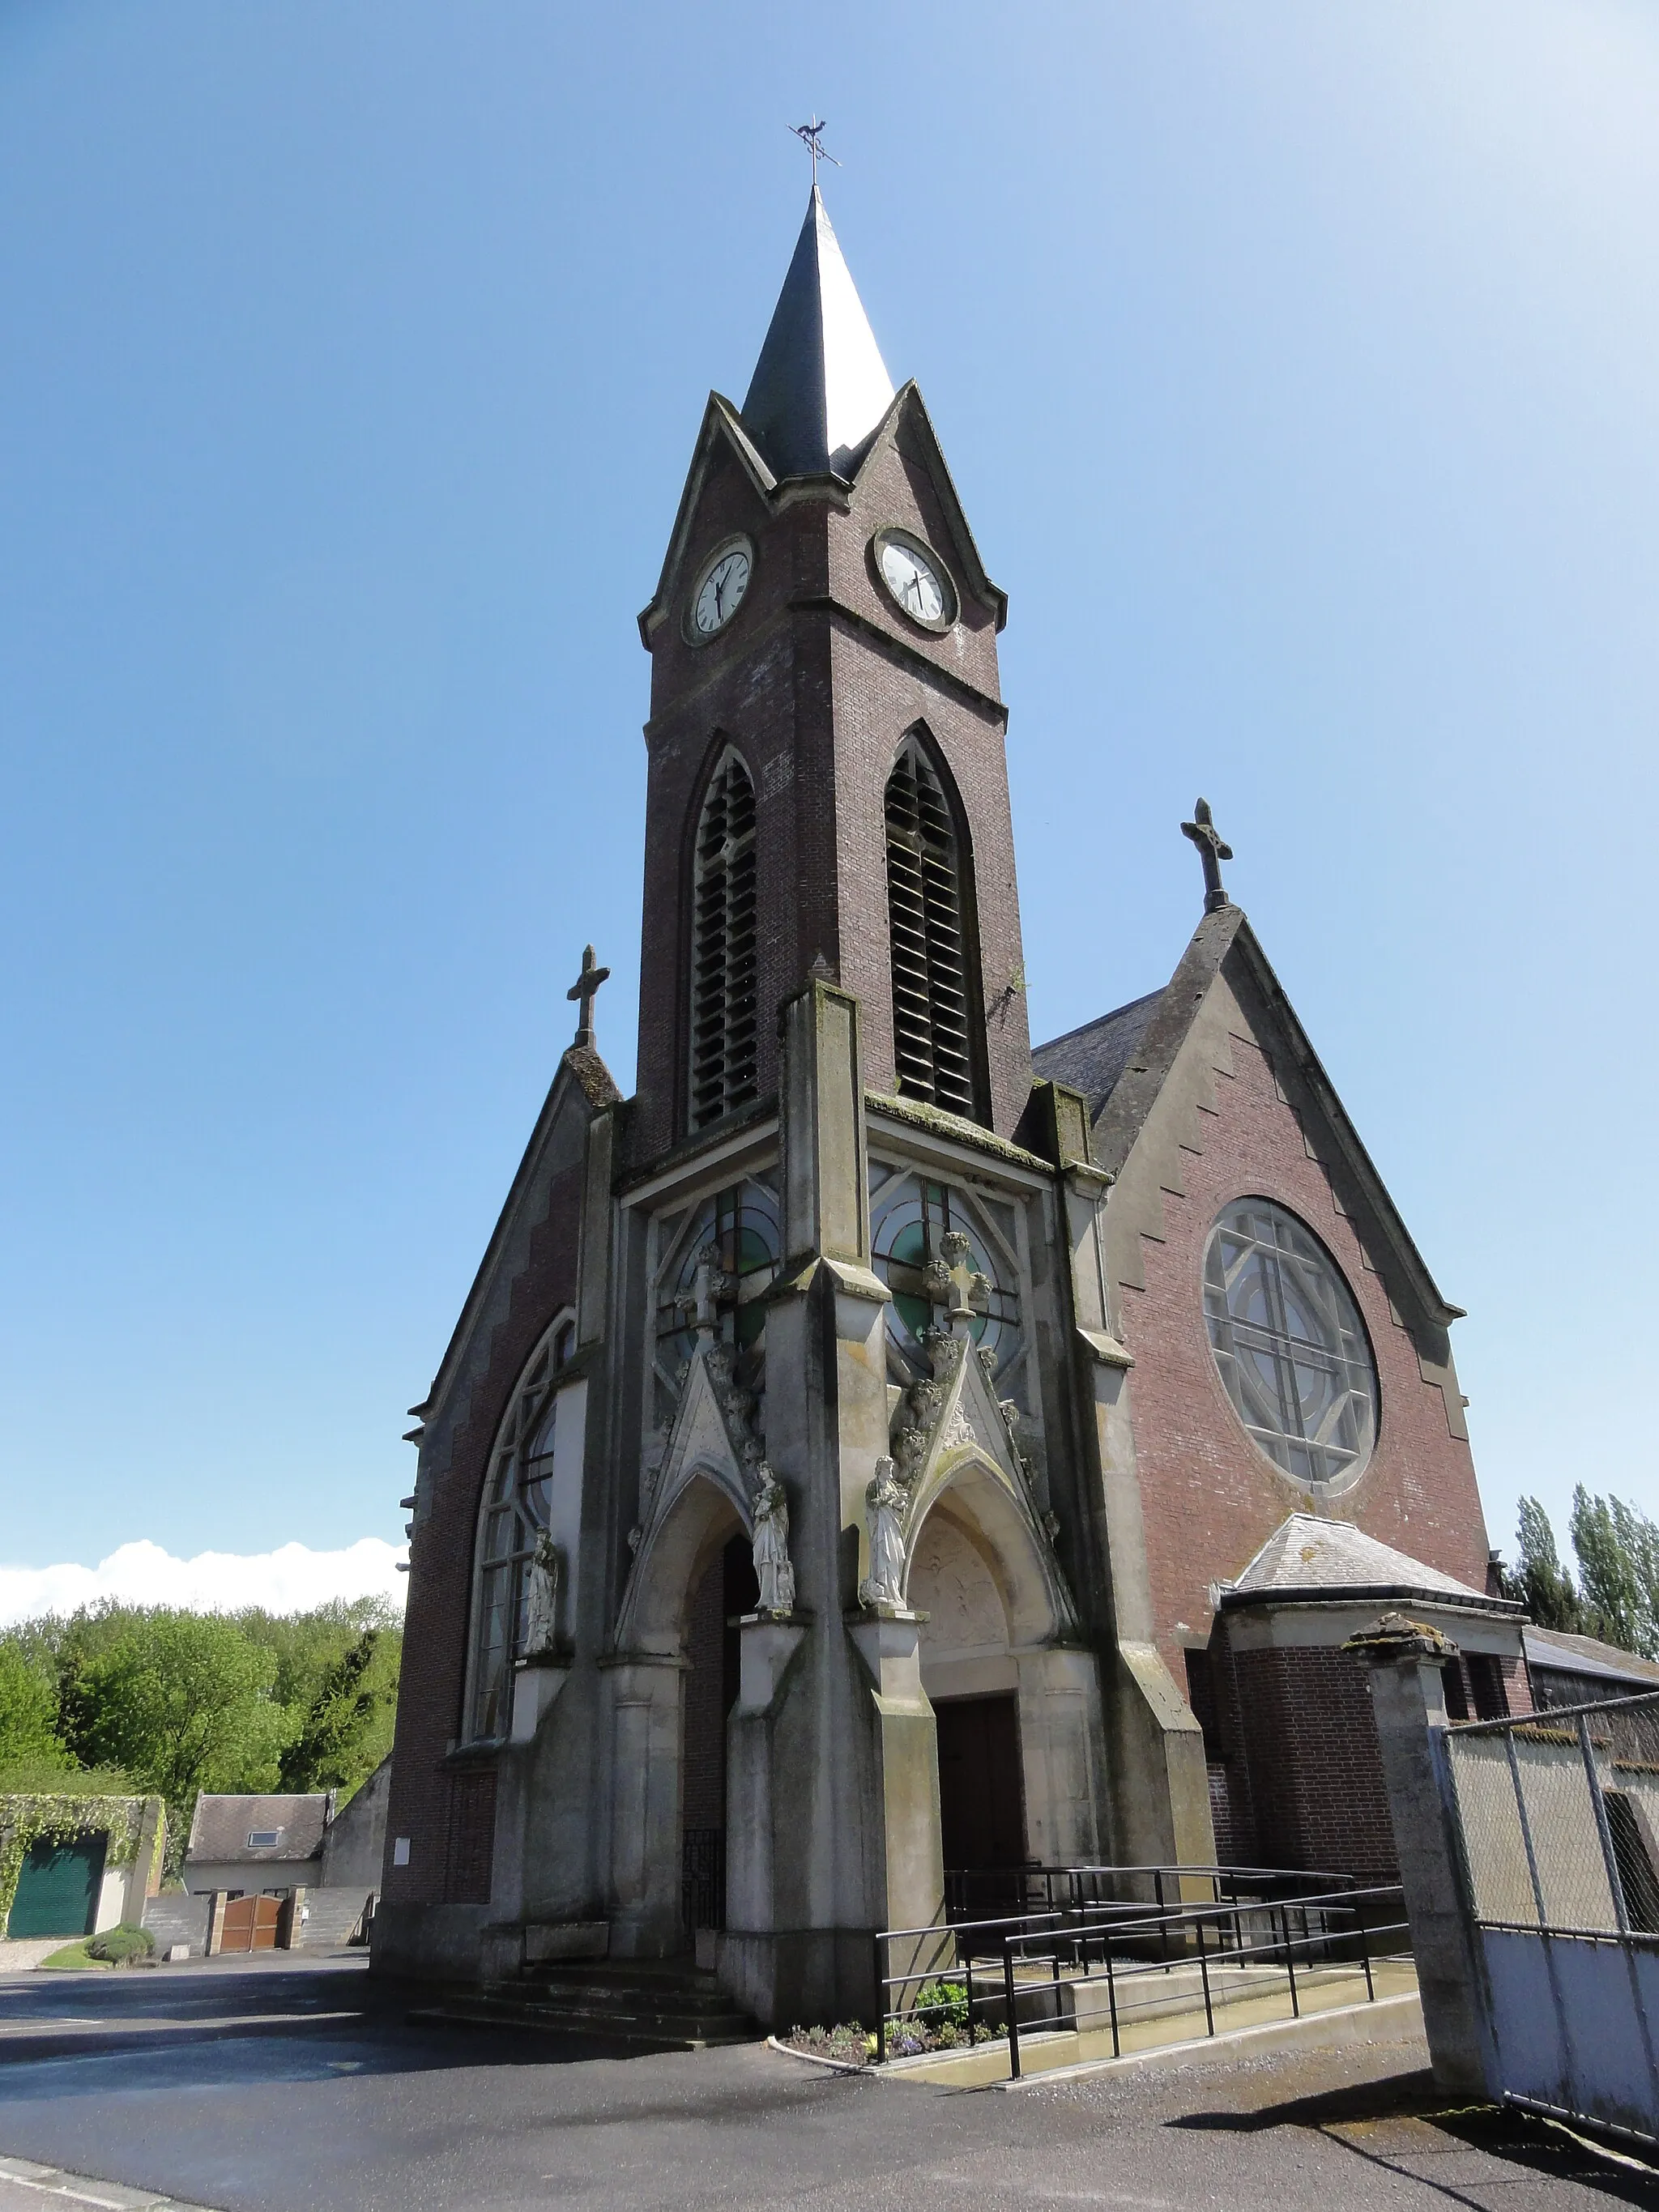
543,1575
884,1514
773,1571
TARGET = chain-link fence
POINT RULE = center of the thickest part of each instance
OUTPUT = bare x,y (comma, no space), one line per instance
1560,1818
1557,1818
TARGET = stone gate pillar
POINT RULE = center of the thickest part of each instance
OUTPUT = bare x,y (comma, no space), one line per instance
1408,1699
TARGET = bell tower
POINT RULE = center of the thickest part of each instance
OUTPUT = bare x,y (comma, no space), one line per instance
828,789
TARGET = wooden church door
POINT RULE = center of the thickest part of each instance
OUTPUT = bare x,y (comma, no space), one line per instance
726,1591
982,1796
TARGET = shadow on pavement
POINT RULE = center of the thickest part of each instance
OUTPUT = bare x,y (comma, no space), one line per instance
200,2025
1398,2122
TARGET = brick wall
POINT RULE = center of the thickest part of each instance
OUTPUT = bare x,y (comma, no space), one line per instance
1307,1743
1211,1498
816,698
425,1801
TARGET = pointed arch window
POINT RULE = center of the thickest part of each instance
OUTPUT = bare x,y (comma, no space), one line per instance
723,947
514,1513
928,921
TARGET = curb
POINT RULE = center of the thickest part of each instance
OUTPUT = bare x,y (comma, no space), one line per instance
812,2058
64,2188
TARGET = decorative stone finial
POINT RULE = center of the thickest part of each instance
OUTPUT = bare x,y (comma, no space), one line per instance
954,1283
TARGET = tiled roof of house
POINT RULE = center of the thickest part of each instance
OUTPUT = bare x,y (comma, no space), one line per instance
1307,1556
222,1827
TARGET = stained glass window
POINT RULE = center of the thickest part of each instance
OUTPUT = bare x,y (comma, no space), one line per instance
514,1513
908,1218
1289,1344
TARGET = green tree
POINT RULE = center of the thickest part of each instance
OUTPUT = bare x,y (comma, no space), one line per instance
1617,1551
309,1645
28,1713
1540,1580
181,1701
347,1731
337,1672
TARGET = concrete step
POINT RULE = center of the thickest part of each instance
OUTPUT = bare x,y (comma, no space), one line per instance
664,2004
628,1995
660,2028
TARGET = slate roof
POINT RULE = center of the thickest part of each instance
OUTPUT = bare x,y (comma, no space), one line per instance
1122,1062
1091,1058
222,1827
1310,1558
1552,1651
820,386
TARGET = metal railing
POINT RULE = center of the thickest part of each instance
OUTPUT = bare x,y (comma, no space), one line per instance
702,1878
1088,1927
1336,1928
978,1893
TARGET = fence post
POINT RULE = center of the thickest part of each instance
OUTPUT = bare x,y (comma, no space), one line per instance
1408,1701
1620,1913
1014,2022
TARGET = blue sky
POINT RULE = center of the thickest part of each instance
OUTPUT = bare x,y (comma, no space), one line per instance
1296,364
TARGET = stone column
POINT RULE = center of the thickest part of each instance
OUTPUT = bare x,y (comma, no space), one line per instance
1408,1699
831,1787
1160,1788
643,1692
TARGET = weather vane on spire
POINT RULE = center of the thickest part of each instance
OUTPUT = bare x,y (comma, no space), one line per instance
811,134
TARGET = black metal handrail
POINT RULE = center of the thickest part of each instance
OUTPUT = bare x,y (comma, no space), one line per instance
1281,1947
1072,1887
976,1959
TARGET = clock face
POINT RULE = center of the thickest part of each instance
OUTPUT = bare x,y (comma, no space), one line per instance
720,593
915,583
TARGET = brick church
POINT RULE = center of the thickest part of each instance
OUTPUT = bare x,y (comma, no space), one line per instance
878,1447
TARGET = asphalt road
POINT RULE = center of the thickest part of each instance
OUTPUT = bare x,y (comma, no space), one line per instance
281,2086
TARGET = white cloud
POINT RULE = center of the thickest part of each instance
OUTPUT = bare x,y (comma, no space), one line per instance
284,1581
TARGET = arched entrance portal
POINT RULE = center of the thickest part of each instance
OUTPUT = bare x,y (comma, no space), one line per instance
1016,1704
969,1672
726,1591
670,1688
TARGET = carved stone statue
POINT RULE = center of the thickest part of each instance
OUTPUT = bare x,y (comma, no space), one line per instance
541,1597
773,1571
884,1514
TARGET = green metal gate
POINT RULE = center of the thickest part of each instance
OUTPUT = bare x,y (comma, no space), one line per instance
58,1889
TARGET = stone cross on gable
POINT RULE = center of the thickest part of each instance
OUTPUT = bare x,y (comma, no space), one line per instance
585,986
951,1282
1211,850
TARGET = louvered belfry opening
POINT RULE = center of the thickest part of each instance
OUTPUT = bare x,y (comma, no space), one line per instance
723,1026
927,924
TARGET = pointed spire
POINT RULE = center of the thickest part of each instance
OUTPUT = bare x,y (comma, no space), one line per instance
820,386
